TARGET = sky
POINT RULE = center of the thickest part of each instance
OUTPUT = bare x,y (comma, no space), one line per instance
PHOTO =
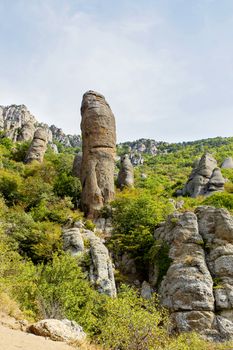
164,66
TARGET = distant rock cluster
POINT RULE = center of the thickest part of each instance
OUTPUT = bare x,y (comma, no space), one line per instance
205,179
126,173
198,286
17,123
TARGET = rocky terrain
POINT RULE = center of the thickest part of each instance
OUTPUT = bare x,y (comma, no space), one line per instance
198,286
17,123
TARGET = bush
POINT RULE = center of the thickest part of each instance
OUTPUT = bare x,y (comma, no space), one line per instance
10,184
220,200
63,291
132,323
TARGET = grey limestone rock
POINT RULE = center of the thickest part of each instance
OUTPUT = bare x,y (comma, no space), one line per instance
228,163
58,330
198,285
205,178
126,173
38,146
101,272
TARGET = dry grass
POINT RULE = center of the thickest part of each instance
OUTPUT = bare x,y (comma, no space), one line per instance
10,307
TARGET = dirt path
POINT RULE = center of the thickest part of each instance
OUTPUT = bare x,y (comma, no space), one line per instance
11,339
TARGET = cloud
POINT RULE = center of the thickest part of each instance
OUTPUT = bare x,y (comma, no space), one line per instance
158,83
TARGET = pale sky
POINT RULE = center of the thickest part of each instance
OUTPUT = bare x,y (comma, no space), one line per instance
164,66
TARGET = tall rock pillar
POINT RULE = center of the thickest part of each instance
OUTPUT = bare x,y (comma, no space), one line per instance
99,149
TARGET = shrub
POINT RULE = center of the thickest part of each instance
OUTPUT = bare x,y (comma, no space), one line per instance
63,291
132,323
10,184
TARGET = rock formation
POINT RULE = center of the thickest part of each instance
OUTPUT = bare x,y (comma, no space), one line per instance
19,124
99,147
65,140
58,330
205,178
198,286
13,118
100,270
77,165
38,146
126,173
228,163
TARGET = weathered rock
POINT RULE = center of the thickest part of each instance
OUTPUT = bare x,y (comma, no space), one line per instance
216,182
198,285
19,124
73,241
65,140
27,132
13,118
99,147
228,163
101,269
64,330
146,290
205,178
136,158
77,165
126,173
38,146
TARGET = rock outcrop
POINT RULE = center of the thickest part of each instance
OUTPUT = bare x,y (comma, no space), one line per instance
98,147
79,241
198,286
77,164
19,124
228,163
58,330
38,146
205,178
126,173
65,140
15,117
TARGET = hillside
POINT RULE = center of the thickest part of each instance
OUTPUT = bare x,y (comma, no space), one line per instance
40,205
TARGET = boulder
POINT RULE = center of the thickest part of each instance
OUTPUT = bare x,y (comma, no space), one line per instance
99,148
126,173
216,182
38,146
204,179
228,163
58,330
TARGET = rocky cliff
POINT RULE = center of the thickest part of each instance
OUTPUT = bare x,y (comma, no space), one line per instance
17,123
198,286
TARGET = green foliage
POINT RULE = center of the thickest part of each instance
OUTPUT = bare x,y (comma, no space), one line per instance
10,184
158,254
220,200
67,185
37,240
135,216
63,291
132,323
